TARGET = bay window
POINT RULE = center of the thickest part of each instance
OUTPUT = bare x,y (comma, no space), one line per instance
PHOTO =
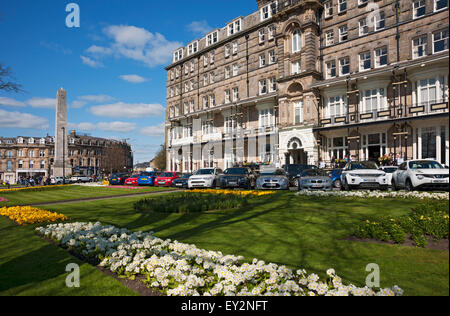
374,100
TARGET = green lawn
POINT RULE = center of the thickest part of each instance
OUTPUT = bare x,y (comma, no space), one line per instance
56,194
301,232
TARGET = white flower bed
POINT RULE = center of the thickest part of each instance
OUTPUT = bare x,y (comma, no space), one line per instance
90,184
184,270
378,194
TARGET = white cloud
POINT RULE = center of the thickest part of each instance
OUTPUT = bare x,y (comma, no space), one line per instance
92,63
22,120
10,102
121,109
133,78
199,27
135,43
47,103
84,127
77,104
153,131
97,98
121,127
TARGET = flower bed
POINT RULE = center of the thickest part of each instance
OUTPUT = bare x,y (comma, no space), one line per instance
428,219
232,192
35,188
180,269
191,203
3,199
378,194
24,215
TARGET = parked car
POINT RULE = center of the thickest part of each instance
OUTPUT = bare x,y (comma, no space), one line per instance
293,172
58,180
165,179
335,176
118,179
147,178
182,182
80,179
315,179
421,174
272,179
238,178
133,180
389,172
205,178
364,174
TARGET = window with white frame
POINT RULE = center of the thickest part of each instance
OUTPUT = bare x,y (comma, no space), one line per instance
420,47
205,60
440,5
329,38
381,57
205,80
295,67
262,35
266,118
235,70
230,124
262,60
211,77
20,164
205,102
171,112
419,8
343,33
298,112
207,127
328,9
272,85
374,100
331,69
336,106
235,94
272,58
186,107
177,73
344,66
172,75
42,166
342,6
227,96
212,38
235,47
227,72
186,69
380,21
177,90
234,27
432,90
227,50
193,48
178,55
211,57
440,41
296,41
337,147
365,62
192,83
267,11
263,86
363,27
191,106
212,100
186,86
271,32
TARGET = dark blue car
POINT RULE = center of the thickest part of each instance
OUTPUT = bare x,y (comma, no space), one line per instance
147,178
335,176
182,182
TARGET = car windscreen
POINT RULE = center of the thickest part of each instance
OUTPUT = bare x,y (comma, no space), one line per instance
205,172
390,170
166,175
236,171
187,176
425,165
314,173
363,165
147,174
277,172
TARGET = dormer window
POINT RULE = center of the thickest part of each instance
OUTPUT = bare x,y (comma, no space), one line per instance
20,140
42,141
234,27
192,48
30,140
268,11
178,55
212,38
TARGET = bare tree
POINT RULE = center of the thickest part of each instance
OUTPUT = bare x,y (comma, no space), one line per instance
160,158
7,81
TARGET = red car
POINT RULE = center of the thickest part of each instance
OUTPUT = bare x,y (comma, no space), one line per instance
165,179
133,180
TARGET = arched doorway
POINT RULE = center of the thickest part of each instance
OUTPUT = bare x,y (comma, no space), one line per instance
296,154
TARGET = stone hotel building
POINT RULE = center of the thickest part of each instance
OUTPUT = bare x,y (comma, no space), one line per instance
303,81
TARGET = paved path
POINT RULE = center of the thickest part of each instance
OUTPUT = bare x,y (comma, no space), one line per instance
99,198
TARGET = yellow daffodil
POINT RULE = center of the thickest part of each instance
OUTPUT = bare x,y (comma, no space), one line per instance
24,215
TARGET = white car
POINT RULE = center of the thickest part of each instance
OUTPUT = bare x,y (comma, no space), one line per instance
389,172
363,175
58,180
205,178
80,179
421,174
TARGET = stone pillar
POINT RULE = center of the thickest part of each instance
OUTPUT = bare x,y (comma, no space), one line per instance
61,146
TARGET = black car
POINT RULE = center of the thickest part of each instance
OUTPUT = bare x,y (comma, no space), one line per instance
238,178
293,172
182,182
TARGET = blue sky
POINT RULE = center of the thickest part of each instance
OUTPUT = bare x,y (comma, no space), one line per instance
112,66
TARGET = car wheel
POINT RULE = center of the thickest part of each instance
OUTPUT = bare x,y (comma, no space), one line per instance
409,186
337,184
346,186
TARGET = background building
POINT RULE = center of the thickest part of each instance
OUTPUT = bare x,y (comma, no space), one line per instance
302,81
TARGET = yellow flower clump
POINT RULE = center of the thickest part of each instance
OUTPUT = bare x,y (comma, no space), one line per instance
24,215
34,188
243,193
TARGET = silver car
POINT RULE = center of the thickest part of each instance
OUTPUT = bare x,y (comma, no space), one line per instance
315,179
272,179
